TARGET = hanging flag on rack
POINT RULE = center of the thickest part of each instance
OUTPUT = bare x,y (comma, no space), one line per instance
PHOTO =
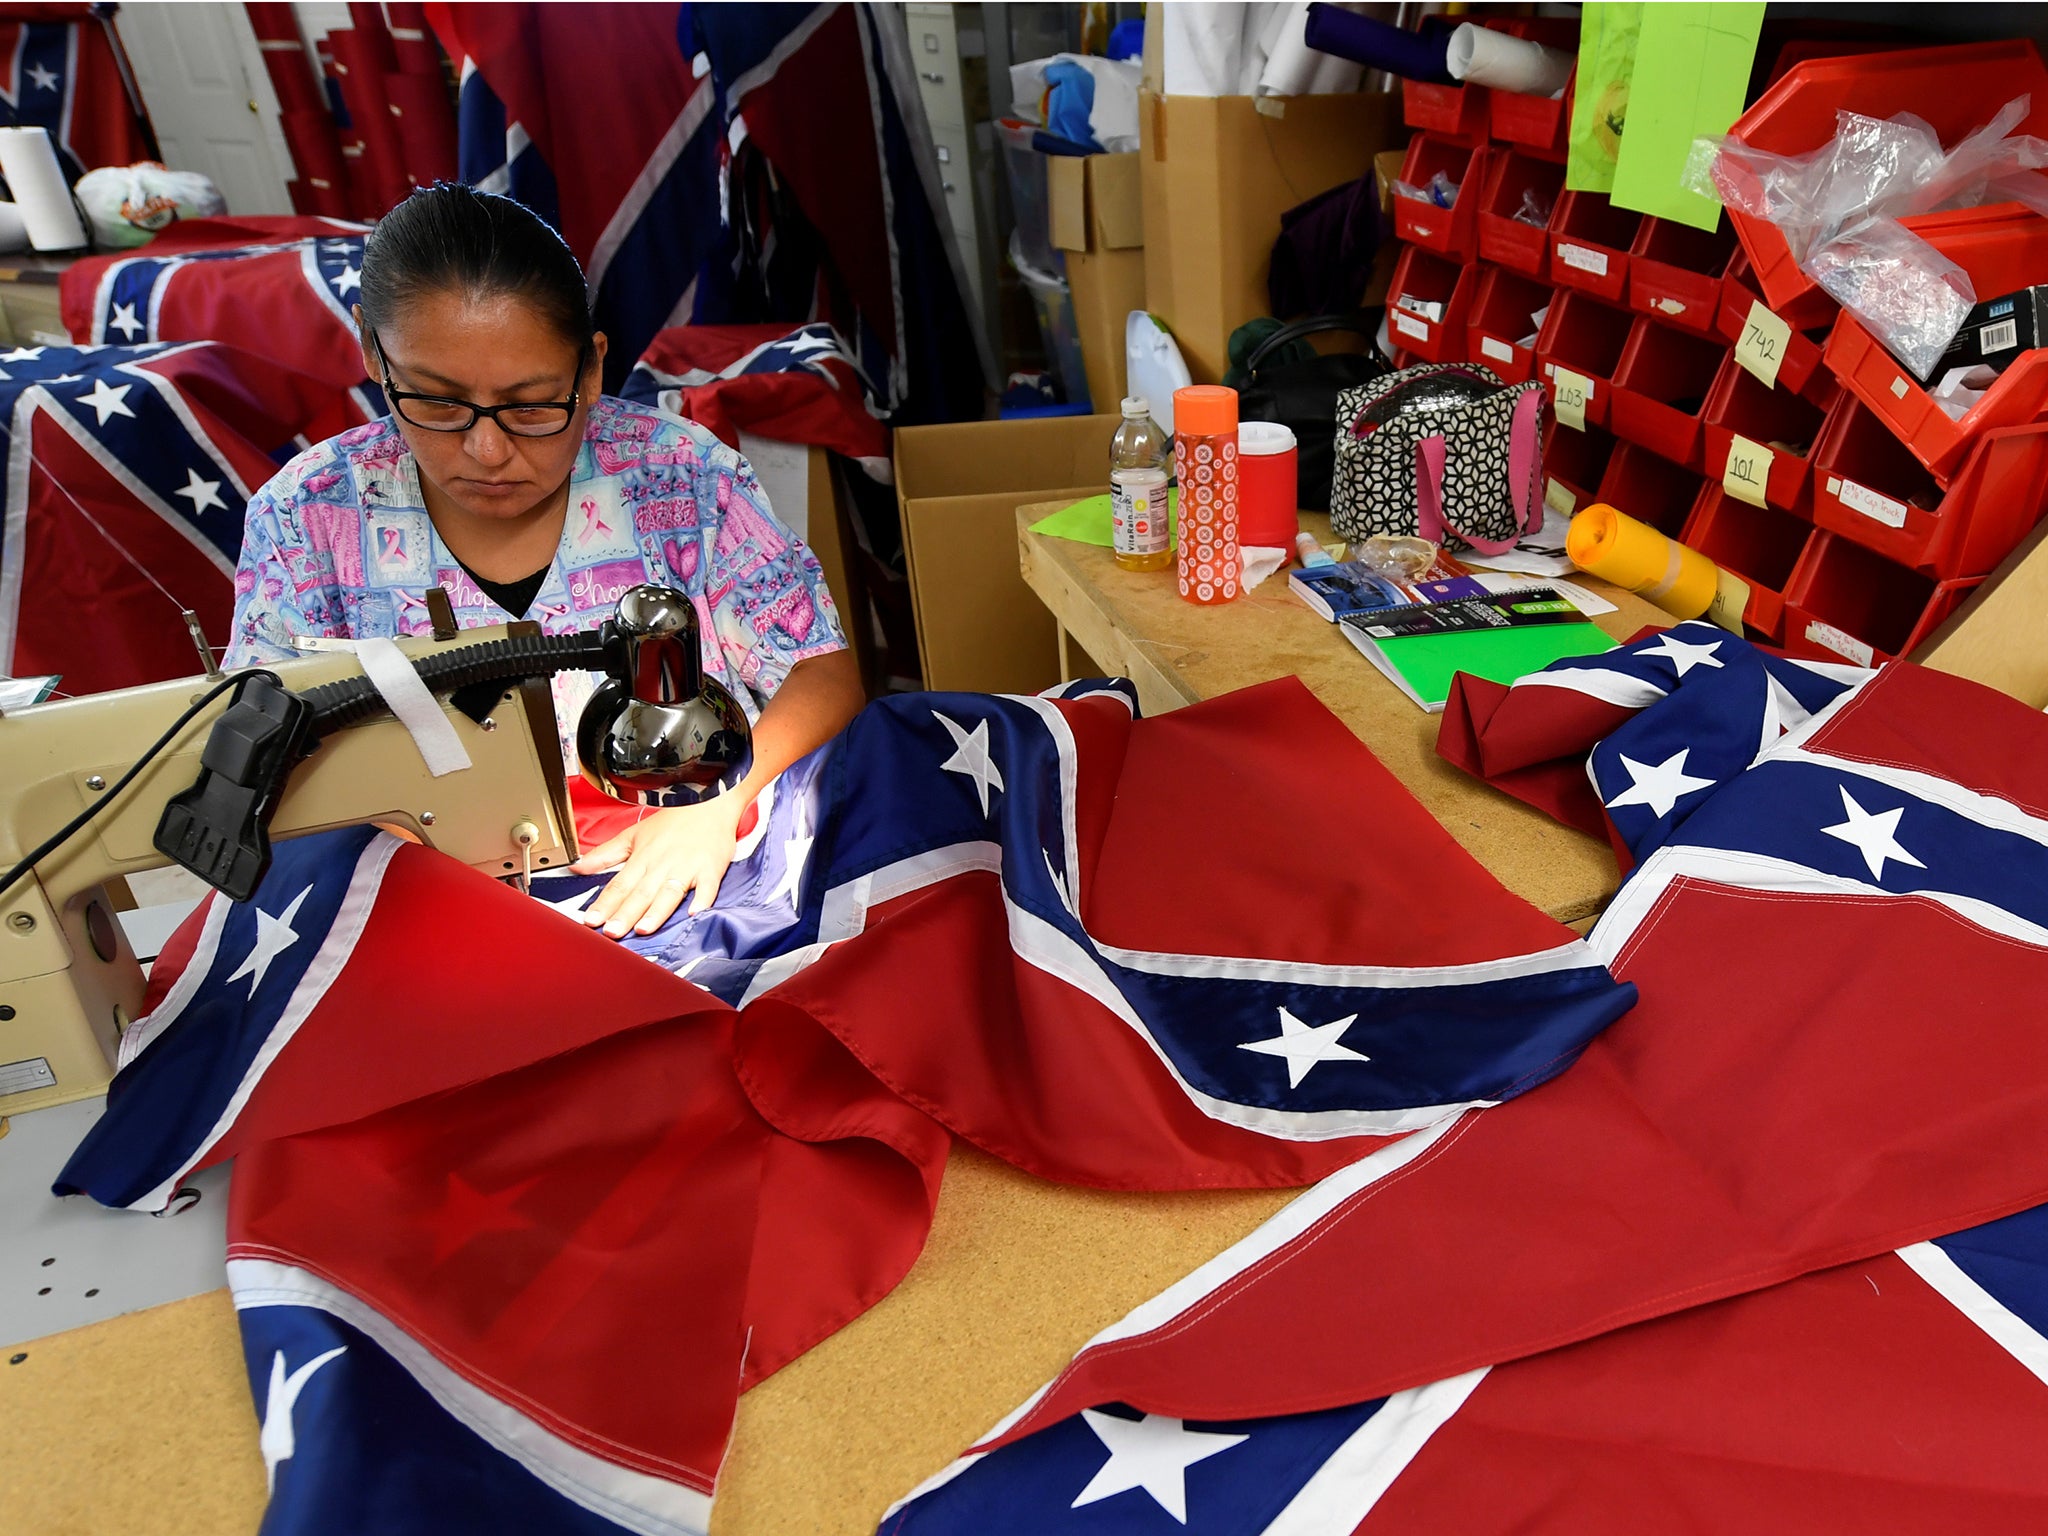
128,471
61,72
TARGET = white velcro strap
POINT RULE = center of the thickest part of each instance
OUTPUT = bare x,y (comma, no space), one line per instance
388,668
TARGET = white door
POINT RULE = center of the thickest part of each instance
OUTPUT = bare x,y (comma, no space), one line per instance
209,98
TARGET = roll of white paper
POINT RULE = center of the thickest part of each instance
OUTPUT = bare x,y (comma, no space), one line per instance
1486,57
40,192
1295,69
13,232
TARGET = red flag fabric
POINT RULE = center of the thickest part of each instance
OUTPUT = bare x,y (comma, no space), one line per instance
796,385
1823,1067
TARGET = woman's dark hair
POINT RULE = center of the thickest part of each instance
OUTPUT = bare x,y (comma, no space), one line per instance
449,238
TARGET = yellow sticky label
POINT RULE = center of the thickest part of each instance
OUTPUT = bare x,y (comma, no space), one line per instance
1558,499
1731,601
1747,471
1761,347
1573,390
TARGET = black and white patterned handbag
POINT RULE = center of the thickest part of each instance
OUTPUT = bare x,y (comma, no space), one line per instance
1441,450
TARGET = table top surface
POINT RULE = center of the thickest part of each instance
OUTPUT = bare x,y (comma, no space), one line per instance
145,1421
1136,624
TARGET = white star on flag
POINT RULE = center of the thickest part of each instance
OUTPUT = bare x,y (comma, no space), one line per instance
274,935
1306,1046
1152,1453
1684,654
970,756
796,853
22,355
45,79
125,322
277,1440
1659,787
351,278
1875,837
109,400
201,493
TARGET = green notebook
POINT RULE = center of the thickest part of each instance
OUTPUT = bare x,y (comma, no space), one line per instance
1499,639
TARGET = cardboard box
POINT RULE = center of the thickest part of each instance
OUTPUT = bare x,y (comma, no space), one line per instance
1216,175
1098,221
980,629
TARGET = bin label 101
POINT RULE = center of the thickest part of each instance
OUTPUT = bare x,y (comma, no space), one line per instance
1748,470
1761,348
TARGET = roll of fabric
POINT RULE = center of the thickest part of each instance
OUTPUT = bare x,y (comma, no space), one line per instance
1295,69
30,166
1411,55
1483,56
1683,582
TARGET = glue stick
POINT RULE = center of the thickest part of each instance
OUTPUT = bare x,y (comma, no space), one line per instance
1683,582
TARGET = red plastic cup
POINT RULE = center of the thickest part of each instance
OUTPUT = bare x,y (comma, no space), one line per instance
1267,461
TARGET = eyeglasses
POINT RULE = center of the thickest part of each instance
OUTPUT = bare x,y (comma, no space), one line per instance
443,413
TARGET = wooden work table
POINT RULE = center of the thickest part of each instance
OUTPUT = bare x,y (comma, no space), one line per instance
144,1422
1135,625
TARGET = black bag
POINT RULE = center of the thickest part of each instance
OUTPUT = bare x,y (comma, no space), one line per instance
1303,397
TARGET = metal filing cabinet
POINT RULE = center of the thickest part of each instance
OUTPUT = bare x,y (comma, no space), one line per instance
948,52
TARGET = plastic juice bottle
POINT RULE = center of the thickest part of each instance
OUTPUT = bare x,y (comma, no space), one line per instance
1205,465
1137,489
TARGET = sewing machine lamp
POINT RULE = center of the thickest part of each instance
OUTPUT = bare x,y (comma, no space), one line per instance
657,731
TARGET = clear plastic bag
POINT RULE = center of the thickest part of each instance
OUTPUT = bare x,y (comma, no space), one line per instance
128,204
1838,208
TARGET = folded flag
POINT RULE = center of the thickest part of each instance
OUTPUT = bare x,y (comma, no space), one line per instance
558,1205
1825,1066
280,287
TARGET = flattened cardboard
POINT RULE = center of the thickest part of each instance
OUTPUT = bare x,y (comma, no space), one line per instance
1215,176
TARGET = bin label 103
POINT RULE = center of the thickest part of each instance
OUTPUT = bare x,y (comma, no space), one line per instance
1573,391
1761,348
1748,470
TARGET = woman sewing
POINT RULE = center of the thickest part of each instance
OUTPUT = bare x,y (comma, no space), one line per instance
504,475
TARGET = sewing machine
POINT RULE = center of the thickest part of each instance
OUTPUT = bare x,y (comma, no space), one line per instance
262,761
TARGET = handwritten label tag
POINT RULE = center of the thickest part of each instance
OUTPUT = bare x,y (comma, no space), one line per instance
1559,499
1578,256
1840,643
1731,602
1860,498
1747,471
1499,351
1573,391
1408,325
1761,347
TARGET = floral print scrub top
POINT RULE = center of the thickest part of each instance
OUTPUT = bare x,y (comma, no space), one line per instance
339,544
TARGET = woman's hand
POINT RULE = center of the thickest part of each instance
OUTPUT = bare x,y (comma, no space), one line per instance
662,858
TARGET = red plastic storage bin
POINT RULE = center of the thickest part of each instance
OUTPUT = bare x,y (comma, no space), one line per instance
1848,603
1660,389
1739,303
1574,463
1505,239
1954,90
1869,489
1448,231
1587,337
1676,272
2002,247
1589,241
1789,425
1762,545
1429,278
1537,124
1501,325
1649,489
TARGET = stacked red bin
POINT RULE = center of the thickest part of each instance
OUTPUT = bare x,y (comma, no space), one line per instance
1724,399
